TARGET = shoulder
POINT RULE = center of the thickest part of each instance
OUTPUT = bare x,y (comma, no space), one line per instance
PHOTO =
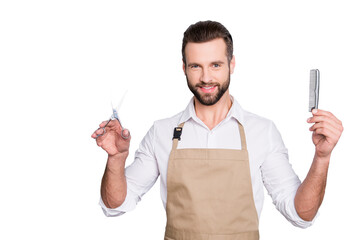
249,120
254,121
164,127
171,122
262,130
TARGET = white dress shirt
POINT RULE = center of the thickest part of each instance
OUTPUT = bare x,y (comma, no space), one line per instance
268,157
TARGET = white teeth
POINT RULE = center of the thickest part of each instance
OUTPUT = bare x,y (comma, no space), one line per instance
208,87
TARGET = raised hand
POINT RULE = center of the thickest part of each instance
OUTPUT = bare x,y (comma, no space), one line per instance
327,130
112,141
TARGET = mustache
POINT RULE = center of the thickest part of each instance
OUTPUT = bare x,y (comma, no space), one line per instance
207,85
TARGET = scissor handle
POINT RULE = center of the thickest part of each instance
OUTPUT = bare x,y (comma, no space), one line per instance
123,136
103,128
104,131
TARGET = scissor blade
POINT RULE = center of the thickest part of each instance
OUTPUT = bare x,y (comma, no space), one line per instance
121,101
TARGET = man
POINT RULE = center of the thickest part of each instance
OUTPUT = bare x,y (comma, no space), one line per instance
214,157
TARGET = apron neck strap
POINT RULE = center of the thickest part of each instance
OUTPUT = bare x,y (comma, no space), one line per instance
177,135
242,136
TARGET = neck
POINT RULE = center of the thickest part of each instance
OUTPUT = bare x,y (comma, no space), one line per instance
214,114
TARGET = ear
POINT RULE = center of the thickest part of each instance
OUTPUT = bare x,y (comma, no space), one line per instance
232,64
183,66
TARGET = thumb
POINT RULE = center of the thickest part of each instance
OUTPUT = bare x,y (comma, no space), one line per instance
125,133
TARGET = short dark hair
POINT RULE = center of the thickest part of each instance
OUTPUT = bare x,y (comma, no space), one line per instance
204,31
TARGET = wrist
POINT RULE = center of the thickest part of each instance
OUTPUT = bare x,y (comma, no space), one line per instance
322,158
321,162
119,157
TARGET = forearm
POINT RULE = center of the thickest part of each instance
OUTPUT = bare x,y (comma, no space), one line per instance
113,185
311,192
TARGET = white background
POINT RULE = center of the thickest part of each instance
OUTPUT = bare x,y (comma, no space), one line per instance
62,62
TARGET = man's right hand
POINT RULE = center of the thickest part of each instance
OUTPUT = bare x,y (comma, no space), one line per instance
113,185
112,141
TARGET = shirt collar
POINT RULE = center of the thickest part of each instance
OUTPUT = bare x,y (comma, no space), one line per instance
235,111
189,112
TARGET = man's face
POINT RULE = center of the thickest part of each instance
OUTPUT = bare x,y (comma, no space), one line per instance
207,70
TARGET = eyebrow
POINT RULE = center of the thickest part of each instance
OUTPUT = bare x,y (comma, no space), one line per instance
218,62
191,64
214,62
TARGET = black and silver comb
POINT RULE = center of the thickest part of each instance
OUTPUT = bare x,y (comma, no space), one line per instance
314,89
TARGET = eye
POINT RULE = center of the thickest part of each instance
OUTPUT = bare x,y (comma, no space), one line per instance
216,65
194,66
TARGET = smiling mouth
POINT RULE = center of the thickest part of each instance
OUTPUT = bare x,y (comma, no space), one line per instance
208,89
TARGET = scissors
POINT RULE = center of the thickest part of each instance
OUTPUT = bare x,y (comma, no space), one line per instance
113,117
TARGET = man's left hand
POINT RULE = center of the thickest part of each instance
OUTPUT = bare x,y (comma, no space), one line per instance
326,132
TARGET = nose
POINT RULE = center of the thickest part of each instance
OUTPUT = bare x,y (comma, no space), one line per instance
206,75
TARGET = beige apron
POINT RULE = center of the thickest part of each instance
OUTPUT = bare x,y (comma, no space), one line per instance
209,194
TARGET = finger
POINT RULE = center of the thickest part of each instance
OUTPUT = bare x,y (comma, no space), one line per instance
319,112
125,133
93,135
100,136
326,126
323,119
332,135
103,123
113,124
99,141
328,134
328,120
98,132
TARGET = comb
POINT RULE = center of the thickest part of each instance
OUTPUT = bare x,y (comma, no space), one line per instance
314,89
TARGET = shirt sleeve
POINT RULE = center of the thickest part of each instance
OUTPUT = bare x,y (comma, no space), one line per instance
141,175
280,180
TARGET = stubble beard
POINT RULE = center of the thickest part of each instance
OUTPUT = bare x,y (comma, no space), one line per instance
208,99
